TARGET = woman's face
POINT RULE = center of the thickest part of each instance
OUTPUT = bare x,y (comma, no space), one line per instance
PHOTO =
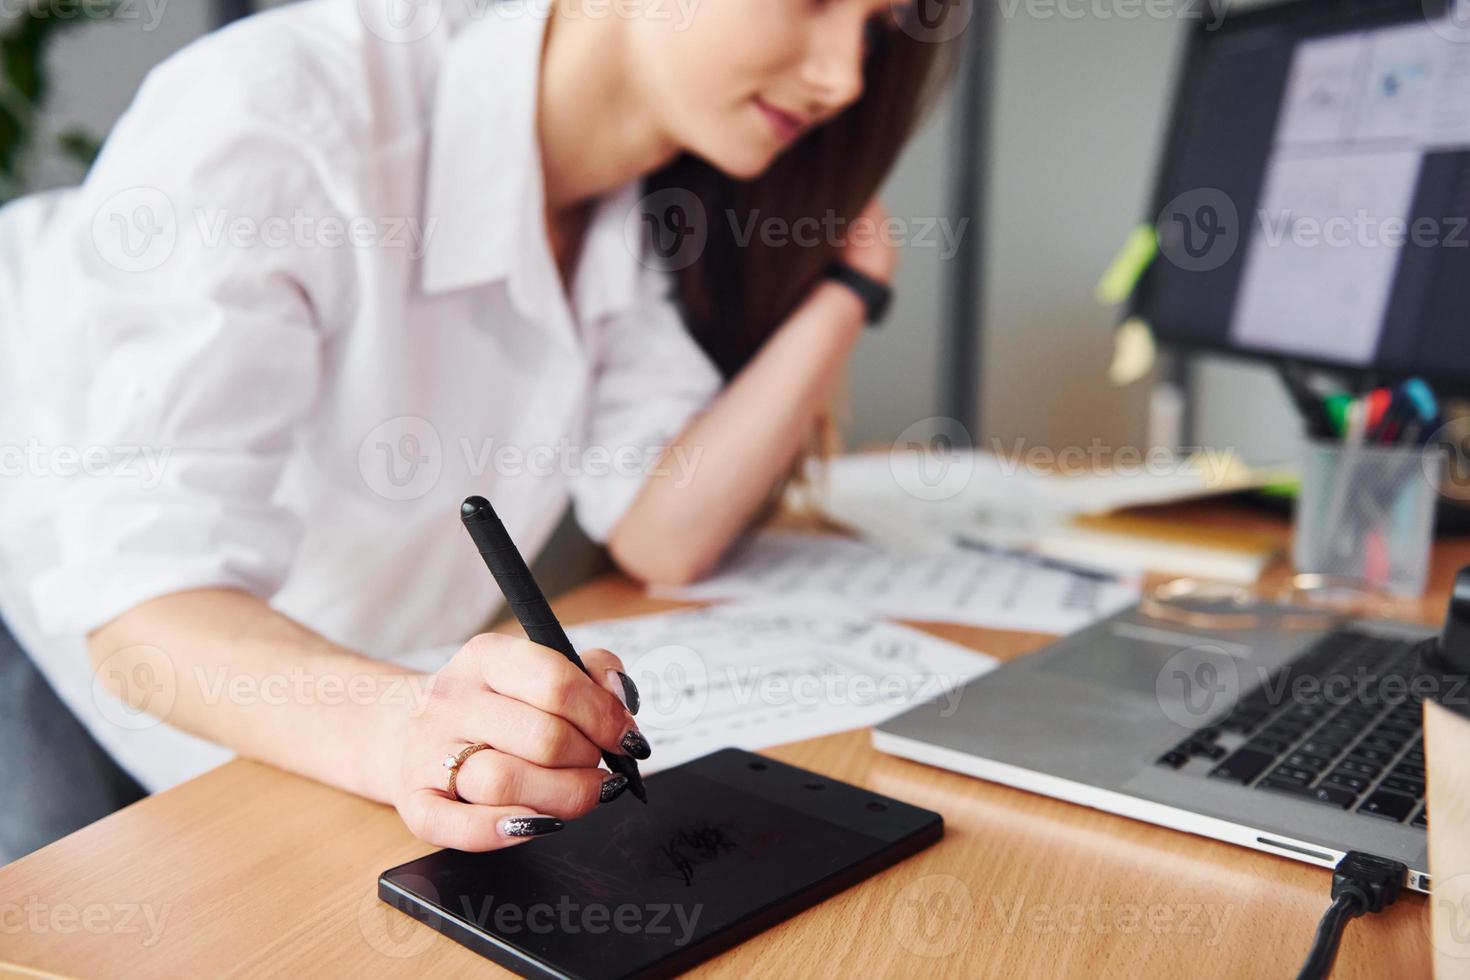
736,82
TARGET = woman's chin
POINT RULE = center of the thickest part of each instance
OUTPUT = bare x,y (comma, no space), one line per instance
744,168
743,164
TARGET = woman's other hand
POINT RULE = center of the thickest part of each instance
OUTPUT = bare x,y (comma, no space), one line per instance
869,245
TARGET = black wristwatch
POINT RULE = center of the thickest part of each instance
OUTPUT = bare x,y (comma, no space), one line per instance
876,296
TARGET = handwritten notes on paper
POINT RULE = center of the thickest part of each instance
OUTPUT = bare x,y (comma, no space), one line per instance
756,674
995,589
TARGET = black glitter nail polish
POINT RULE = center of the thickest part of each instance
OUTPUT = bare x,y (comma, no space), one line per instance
612,788
534,826
630,693
636,745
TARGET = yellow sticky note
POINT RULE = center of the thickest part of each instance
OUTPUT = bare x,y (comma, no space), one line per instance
1122,275
1134,352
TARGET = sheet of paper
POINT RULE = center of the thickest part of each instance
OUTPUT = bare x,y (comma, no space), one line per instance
958,585
919,502
752,675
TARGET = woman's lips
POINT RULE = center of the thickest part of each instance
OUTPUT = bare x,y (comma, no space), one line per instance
786,125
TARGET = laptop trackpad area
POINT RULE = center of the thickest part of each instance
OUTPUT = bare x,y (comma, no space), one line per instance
1155,661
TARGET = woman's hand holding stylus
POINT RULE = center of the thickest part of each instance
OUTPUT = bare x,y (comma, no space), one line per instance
368,727
522,731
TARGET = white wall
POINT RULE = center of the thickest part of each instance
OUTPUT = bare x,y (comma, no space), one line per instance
1077,123
895,374
1244,406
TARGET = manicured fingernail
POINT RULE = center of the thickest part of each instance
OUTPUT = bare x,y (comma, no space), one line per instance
636,745
625,689
532,826
612,788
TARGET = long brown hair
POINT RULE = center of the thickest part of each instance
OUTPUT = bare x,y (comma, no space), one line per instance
740,288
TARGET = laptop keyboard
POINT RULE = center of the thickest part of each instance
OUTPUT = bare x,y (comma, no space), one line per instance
1339,726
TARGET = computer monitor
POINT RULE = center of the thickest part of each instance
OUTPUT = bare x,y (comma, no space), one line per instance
1313,200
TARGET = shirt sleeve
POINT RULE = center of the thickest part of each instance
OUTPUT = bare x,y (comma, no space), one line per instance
651,380
174,323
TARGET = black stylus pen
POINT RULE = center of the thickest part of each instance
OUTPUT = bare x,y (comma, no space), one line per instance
528,603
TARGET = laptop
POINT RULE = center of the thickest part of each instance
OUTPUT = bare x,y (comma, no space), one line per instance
1302,743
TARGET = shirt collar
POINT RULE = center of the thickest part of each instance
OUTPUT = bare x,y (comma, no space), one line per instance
609,266
483,186
483,162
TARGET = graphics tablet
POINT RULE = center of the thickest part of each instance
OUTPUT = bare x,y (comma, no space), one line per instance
729,844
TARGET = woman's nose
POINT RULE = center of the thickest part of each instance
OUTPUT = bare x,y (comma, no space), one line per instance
833,70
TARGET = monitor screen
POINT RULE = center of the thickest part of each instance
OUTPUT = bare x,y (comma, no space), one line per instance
1314,196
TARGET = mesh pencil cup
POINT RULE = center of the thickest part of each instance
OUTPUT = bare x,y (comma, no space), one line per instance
1367,513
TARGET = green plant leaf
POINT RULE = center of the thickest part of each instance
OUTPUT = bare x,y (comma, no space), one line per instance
79,146
24,84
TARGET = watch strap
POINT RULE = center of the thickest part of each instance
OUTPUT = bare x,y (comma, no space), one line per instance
877,297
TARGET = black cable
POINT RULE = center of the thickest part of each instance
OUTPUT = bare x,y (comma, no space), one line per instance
1361,884
1329,935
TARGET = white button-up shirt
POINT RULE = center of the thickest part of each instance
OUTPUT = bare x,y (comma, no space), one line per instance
303,306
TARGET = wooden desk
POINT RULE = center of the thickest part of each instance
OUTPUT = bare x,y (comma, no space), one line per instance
247,870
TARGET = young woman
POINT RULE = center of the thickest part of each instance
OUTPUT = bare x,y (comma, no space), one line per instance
346,263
